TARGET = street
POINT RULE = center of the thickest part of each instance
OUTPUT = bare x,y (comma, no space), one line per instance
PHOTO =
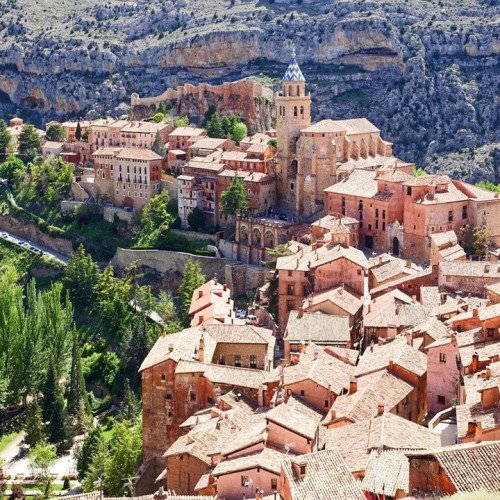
34,247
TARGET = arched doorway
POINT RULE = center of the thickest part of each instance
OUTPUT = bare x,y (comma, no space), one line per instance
395,247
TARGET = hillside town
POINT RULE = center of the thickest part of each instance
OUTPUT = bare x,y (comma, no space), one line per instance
342,338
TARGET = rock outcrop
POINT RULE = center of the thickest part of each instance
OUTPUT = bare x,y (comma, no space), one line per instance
425,72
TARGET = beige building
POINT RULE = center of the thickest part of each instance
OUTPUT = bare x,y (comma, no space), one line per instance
127,177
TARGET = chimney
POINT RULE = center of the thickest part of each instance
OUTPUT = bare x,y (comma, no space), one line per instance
453,339
474,363
478,436
201,318
475,312
333,414
380,409
408,263
490,397
414,299
301,312
443,297
390,367
380,260
201,349
487,373
353,385
200,294
170,347
315,355
409,339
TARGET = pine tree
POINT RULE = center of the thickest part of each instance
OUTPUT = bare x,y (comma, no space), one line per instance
214,126
130,405
234,198
192,279
49,392
76,395
97,468
78,131
28,142
58,429
135,347
35,428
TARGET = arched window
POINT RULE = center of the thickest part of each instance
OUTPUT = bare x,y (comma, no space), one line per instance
290,90
295,111
298,90
302,111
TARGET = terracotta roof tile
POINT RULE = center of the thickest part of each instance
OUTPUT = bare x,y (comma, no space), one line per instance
267,459
318,328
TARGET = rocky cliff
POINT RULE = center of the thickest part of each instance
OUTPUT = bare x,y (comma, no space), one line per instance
425,71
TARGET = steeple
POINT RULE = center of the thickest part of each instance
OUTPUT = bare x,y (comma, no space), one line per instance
293,72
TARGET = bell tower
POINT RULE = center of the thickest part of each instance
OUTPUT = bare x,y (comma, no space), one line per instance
293,108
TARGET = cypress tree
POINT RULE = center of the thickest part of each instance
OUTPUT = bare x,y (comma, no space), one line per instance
76,394
192,279
58,429
49,392
35,428
78,131
87,451
129,407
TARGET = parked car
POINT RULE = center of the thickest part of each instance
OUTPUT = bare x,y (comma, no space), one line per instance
252,320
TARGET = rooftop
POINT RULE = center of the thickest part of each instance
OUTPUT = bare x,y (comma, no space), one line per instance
318,328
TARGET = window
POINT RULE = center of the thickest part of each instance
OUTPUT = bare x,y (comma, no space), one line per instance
408,190
450,216
237,360
245,481
274,484
192,397
343,201
441,400
376,212
253,361
302,392
383,226
169,396
292,186
383,214
290,290
442,357
290,273
490,332
376,224
464,212
326,403
289,305
369,227
222,359
163,376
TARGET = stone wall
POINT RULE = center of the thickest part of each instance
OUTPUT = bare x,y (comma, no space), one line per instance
30,232
109,214
164,269
252,101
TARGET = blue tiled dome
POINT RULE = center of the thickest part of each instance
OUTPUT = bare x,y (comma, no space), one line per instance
293,73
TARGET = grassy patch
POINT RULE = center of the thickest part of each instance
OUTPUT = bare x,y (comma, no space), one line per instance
6,439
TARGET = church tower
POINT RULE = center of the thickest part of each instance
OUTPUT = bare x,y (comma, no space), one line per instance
293,109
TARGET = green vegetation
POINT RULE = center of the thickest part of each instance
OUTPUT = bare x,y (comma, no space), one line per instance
196,219
419,172
234,200
6,439
56,133
489,186
230,127
5,137
475,240
191,280
159,117
28,142
183,121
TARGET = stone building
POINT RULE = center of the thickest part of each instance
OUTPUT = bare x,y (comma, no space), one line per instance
127,177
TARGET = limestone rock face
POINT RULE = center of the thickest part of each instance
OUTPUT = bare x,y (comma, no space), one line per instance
425,72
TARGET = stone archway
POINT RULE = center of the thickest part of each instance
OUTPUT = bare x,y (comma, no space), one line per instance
256,238
244,235
269,239
395,247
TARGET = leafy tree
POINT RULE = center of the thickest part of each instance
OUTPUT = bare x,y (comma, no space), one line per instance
5,137
234,199
158,146
101,367
273,143
196,219
238,132
77,408
35,428
55,132
226,126
489,186
87,451
214,126
28,142
78,131
125,450
158,117
10,167
80,278
181,122
165,307
475,239
50,391
86,134
41,458
155,220
191,280
419,172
